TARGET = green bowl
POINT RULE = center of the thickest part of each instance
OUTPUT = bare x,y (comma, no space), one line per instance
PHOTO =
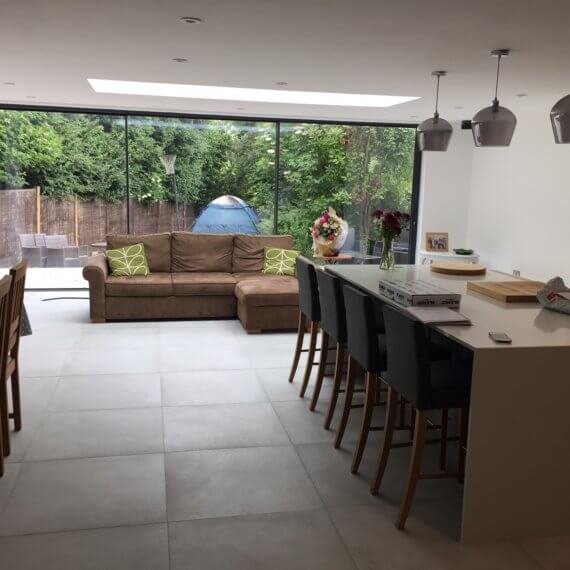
461,251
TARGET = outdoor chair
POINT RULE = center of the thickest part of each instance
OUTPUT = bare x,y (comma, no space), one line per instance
33,253
61,254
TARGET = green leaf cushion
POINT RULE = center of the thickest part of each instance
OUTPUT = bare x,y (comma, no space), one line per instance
279,261
128,261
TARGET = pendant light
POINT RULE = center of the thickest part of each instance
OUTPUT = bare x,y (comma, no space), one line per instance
494,125
560,119
434,133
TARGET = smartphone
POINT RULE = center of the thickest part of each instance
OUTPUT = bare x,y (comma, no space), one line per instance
501,337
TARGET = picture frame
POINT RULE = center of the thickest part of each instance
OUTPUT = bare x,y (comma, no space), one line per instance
437,241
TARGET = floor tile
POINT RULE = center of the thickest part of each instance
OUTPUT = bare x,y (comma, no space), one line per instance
550,553
108,339
65,435
43,362
273,356
86,493
8,481
280,541
236,481
204,355
142,547
302,425
128,361
275,382
211,387
222,426
100,391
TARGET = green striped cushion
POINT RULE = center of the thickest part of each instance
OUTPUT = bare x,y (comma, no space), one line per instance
128,261
279,261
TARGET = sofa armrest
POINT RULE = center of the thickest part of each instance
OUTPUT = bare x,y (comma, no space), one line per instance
95,272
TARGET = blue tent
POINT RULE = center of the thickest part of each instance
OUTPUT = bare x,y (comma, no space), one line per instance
227,214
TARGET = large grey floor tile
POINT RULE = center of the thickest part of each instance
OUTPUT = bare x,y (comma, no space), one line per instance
8,481
222,426
275,382
211,387
85,493
64,435
108,339
100,391
204,355
274,355
236,481
551,553
185,335
375,544
43,361
127,361
280,541
142,547
302,425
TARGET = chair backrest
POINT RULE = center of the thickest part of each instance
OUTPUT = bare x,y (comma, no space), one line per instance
408,359
4,324
16,302
362,330
27,240
308,288
331,300
58,241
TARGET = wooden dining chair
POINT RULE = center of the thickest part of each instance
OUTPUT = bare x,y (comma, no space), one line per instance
309,314
4,320
427,385
10,369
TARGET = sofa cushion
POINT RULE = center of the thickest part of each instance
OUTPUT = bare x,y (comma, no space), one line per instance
128,261
153,285
201,252
156,248
249,251
260,290
280,261
200,283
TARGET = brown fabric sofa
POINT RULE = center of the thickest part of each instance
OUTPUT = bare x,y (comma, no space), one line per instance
196,276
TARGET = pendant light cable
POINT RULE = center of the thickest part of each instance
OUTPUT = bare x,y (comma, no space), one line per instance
437,96
496,100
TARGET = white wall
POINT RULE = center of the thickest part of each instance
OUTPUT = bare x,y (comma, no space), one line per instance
512,205
519,207
444,190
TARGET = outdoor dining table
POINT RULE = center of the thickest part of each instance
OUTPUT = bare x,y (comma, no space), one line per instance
517,478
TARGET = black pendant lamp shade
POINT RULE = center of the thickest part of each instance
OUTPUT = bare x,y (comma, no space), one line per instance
560,119
494,125
434,133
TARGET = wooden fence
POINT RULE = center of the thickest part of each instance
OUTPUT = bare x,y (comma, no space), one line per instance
26,211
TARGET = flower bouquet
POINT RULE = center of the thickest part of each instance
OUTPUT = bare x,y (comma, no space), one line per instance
390,224
329,233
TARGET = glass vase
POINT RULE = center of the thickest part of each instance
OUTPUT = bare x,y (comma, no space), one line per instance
387,260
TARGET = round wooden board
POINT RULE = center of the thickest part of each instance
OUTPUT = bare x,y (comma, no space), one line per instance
458,268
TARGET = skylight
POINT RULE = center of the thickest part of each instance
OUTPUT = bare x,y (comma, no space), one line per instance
219,93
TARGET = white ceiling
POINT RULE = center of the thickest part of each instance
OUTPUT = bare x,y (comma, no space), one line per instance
51,47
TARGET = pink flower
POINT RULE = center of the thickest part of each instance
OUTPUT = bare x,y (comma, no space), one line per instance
331,237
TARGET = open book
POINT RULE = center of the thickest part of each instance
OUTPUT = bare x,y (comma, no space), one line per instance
438,316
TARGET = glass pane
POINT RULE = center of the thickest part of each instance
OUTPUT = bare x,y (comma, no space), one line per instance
62,189
355,170
211,176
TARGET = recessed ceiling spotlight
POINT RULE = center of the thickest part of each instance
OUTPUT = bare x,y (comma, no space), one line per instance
459,107
240,108
414,116
8,83
521,95
281,83
191,20
179,60
31,97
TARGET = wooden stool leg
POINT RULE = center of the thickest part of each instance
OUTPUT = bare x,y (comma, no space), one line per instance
310,357
299,345
348,396
443,447
369,402
4,416
464,420
389,425
414,470
321,370
16,403
338,369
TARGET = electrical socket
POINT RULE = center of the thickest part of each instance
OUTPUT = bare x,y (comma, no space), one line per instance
516,273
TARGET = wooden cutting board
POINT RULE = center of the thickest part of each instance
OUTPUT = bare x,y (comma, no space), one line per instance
508,291
457,268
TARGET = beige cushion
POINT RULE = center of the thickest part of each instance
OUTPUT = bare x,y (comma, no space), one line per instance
249,251
153,285
201,252
260,290
156,248
198,283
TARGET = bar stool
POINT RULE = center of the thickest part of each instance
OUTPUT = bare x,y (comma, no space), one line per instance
4,301
333,326
10,368
309,310
427,386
